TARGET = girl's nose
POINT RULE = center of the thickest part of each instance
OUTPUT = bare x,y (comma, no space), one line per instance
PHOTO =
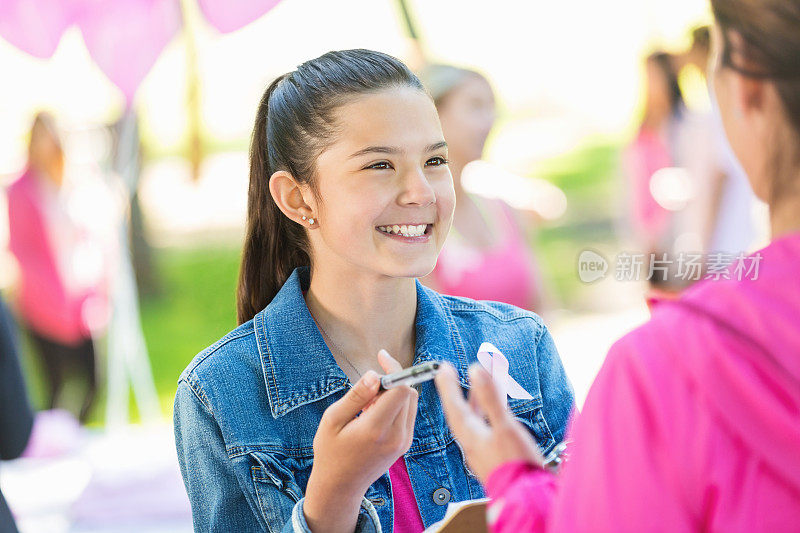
417,189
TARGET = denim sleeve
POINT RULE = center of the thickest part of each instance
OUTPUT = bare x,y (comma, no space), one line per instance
368,521
218,503
557,396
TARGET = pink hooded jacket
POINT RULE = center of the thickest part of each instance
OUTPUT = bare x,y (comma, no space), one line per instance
693,423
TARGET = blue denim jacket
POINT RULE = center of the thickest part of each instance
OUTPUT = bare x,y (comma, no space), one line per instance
247,409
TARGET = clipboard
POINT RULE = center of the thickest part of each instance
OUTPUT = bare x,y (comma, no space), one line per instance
463,517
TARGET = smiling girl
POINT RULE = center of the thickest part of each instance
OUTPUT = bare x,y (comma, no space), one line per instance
280,424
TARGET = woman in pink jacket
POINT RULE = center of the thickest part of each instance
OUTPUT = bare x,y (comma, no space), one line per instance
694,420
59,303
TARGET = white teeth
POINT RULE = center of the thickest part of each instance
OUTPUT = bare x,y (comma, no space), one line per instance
405,230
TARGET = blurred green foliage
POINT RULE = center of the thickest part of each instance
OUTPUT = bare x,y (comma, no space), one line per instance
590,178
196,308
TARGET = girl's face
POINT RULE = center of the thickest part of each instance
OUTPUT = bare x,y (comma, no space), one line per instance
468,114
46,153
657,90
385,194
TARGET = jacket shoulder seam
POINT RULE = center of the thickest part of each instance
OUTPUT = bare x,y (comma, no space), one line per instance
197,390
502,316
208,352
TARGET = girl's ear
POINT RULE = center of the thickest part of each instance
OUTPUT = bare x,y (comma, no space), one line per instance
289,198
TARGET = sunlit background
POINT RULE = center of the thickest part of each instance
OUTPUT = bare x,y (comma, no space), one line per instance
568,80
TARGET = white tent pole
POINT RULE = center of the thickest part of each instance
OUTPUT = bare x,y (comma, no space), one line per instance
128,361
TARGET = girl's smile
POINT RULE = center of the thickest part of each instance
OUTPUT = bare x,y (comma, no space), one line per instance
407,232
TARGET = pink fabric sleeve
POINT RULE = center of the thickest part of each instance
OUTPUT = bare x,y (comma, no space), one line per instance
635,445
522,495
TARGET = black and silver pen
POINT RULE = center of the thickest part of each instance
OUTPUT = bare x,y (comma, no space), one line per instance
411,376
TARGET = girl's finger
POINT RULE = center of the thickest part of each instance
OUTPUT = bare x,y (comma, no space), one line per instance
386,407
407,420
398,427
487,396
372,401
388,363
412,413
399,421
347,408
475,406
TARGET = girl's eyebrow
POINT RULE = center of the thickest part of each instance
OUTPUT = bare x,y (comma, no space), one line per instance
394,149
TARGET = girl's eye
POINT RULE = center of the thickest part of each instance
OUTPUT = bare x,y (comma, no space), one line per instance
380,165
436,161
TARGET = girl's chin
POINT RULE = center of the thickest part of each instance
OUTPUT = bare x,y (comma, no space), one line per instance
417,269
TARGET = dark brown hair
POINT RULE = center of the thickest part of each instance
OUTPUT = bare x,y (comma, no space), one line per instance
294,123
664,62
770,30
701,39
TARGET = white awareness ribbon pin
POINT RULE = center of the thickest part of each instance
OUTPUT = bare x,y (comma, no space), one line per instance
496,364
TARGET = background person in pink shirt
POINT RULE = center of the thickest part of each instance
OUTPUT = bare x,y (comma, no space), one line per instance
650,151
61,296
486,255
694,420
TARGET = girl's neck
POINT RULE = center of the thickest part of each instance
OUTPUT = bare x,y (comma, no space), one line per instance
52,172
364,312
655,121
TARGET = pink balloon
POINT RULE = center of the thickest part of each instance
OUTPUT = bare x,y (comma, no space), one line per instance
230,15
35,26
125,37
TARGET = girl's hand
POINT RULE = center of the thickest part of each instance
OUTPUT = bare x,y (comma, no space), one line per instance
486,446
353,447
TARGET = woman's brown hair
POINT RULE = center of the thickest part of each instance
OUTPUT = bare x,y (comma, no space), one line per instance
294,123
770,30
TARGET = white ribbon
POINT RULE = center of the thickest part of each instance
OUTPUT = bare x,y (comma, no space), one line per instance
496,364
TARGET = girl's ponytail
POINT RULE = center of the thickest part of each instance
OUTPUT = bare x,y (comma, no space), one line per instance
274,245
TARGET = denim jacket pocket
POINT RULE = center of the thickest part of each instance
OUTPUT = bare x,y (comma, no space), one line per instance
467,468
275,489
532,417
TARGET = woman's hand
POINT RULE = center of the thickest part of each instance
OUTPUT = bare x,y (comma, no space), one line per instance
354,446
486,445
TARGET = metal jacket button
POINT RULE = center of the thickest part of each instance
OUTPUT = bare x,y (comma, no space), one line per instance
441,496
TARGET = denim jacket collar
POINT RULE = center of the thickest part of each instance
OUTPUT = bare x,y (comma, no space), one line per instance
297,364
